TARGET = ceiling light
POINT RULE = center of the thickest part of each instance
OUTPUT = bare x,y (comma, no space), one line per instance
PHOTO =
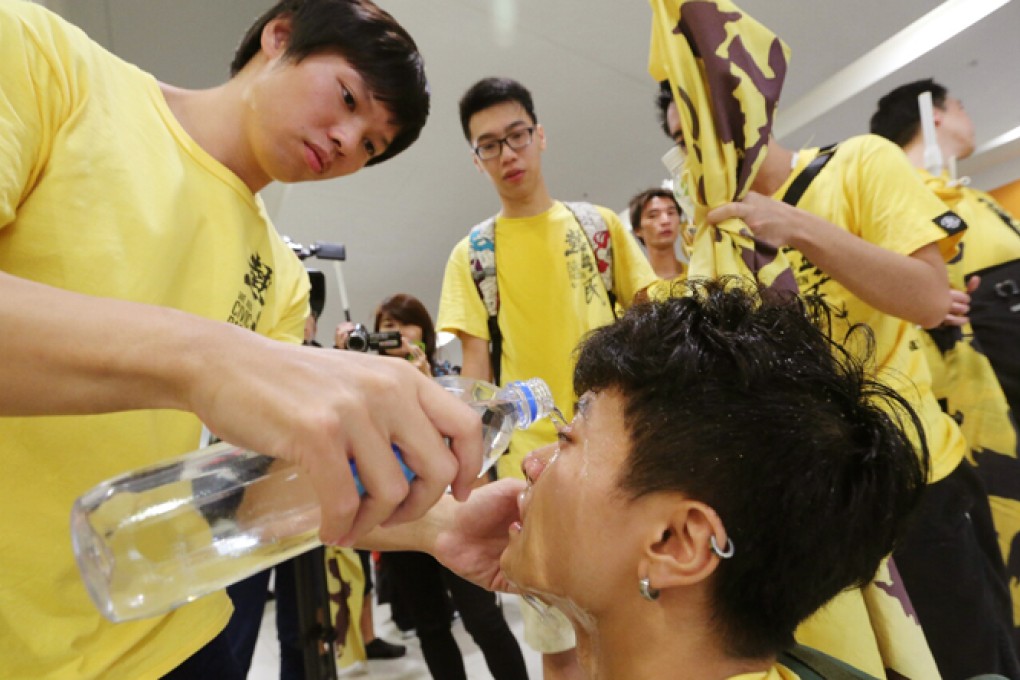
917,39
1001,140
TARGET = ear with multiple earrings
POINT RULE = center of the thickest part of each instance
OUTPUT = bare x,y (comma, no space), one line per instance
652,594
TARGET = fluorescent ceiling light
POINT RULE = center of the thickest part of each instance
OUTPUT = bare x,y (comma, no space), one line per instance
917,39
1001,140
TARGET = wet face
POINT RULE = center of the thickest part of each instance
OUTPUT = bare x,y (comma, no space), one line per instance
514,173
412,333
578,539
956,129
660,223
313,119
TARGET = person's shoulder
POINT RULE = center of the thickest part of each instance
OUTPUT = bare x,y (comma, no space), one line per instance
25,12
869,146
461,248
37,24
609,217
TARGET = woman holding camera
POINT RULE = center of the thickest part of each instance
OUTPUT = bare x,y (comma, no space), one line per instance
431,590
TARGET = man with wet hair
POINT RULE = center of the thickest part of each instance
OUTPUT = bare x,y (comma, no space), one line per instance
144,292
683,514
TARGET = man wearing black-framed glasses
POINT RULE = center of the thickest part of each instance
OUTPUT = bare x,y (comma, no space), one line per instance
491,148
560,269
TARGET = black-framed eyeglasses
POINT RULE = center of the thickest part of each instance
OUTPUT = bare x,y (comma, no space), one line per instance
516,140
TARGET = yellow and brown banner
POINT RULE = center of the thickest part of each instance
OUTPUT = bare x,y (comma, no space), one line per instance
726,71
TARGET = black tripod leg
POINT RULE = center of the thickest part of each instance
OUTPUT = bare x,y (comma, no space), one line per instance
316,629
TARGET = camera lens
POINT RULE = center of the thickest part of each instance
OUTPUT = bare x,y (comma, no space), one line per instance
358,339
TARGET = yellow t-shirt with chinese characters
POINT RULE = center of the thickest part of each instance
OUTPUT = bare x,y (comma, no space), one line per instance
871,190
550,295
104,193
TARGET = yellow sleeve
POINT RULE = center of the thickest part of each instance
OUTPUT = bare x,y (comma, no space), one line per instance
461,309
631,271
33,105
292,323
896,210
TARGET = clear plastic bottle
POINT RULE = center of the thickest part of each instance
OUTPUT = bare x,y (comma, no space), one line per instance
156,538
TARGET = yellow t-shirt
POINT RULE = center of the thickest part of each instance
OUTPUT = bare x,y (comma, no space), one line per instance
102,192
989,241
550,295
871,190
963,379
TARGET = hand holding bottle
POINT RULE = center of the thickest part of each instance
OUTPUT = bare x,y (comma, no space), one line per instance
318,409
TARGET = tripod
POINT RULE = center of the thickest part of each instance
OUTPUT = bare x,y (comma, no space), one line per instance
316,630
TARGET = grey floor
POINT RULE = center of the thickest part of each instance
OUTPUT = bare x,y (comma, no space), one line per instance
267,652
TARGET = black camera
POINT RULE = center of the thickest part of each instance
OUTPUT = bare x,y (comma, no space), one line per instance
360,340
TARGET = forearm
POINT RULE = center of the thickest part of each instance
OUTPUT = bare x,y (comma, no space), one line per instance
475,351
419,535
67,353
912,287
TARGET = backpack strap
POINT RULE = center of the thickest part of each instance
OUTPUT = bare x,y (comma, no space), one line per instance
595,228
802,181
482,257
810,664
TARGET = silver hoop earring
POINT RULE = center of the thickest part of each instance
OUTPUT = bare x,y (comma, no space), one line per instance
722,554
647,591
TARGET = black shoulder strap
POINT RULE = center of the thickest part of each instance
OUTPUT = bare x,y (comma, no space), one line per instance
811,664
807,175
495,348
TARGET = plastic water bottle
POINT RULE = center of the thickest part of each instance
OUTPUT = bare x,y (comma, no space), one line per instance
153,539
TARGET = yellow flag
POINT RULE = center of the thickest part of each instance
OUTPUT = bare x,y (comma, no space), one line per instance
726,72
345,582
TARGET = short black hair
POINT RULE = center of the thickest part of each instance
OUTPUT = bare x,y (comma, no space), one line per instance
898,117
735,396
638,203
489,92
663,98
374,44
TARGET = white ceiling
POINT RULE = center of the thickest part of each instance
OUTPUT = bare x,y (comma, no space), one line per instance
585,64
